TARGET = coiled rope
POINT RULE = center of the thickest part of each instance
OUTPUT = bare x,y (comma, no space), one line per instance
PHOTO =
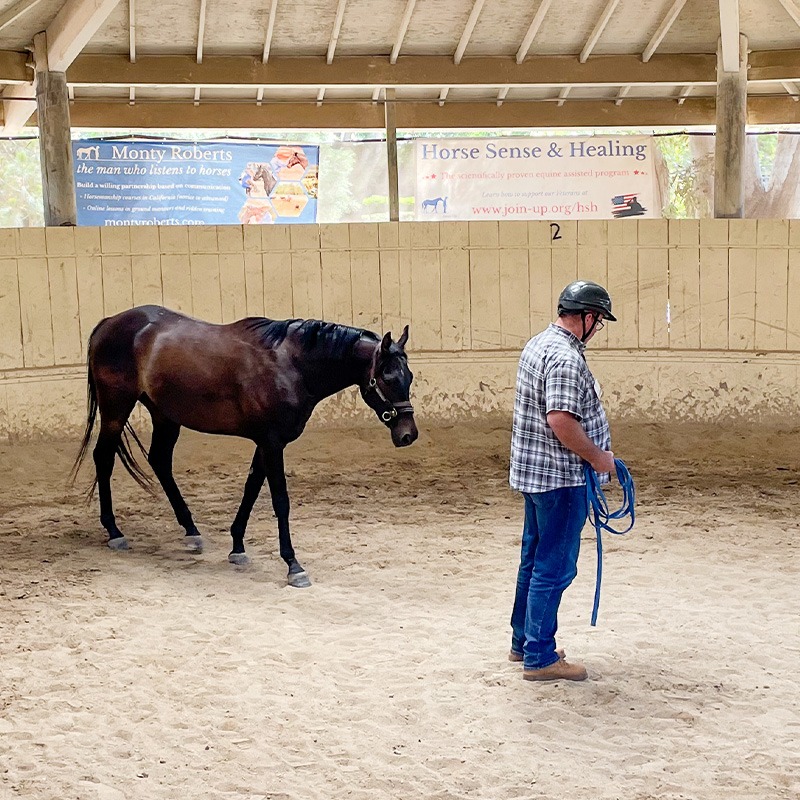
601,517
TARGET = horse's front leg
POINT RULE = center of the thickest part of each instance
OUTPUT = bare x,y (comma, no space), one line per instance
276,477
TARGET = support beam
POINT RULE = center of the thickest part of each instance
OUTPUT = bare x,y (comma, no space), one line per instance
533,29
684,93
563,95
729,34
729,148
622,94
597,32
19,104
635,112
663,29
73,26
297,72
55,146
391,155
793,91
401,32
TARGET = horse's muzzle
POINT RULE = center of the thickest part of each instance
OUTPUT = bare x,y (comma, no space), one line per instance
404,431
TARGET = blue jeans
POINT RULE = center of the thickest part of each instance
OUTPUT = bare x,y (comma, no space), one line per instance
548,564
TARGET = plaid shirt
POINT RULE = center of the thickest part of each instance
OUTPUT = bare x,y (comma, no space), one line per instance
553,376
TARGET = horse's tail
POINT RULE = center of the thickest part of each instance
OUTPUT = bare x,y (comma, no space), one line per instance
123,447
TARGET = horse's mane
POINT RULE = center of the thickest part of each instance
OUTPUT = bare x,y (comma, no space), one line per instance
327,338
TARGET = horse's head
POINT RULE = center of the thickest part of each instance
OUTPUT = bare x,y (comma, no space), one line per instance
388,388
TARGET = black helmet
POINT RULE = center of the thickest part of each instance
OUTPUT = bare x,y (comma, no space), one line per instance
586,296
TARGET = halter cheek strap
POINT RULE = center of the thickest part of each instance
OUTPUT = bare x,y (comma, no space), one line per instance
386,410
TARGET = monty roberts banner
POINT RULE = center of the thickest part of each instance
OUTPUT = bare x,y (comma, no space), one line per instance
550,178
182,183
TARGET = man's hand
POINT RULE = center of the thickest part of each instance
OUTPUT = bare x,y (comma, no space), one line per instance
570,433
604,462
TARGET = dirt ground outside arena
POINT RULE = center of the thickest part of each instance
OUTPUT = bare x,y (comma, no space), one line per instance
157,674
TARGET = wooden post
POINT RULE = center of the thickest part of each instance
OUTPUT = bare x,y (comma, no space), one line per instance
729,148
55,146
391,154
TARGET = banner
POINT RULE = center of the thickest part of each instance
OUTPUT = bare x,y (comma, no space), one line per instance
599,177
181,183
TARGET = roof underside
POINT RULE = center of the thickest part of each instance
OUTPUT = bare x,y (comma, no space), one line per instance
451,63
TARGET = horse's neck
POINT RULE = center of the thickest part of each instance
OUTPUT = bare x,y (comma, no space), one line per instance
330,375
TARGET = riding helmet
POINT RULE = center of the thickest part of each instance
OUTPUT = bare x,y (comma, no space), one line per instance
586,296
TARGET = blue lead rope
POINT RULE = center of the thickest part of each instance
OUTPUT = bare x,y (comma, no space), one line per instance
601,517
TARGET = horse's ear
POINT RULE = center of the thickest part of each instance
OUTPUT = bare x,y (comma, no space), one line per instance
386,343
401,342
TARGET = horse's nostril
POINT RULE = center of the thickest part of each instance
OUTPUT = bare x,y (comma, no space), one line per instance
407,438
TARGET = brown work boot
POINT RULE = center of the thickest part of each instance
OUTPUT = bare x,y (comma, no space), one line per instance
560,670
517,657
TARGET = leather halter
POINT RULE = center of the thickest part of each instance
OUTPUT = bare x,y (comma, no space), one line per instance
386,410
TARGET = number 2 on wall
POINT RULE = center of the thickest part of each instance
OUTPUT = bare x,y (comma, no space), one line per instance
556,230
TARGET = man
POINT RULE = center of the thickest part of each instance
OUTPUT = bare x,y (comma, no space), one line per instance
559,423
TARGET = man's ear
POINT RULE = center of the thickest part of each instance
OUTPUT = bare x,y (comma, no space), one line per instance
401,342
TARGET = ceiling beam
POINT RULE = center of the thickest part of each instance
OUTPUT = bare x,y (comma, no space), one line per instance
11,15
729,34
792,10
72,28
19,103
533,29
468,29
425,116
273,10
663,29
337,27
14,67
597,32
792,90
401,32
622,94
410,71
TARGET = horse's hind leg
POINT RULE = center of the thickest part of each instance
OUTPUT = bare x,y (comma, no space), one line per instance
252,487
162,446
108,441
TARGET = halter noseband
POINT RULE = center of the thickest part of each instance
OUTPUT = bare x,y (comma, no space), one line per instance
386,410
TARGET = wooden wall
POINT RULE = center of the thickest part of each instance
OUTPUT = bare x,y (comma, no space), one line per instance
473,293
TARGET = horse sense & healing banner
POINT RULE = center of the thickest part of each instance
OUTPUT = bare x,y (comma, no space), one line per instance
599,177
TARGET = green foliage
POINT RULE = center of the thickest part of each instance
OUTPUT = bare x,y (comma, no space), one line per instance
20,184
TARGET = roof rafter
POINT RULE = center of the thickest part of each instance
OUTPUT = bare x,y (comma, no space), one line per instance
663,29
597,32
792,10
622,94
729,34
201,30
401,33
132,30
16,11
273,9
477,6
19,104
337,27
533,29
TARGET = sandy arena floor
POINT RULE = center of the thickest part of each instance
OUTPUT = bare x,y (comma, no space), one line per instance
159,675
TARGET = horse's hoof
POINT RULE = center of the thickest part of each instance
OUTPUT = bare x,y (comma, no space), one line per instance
299,580
118,543
194,544
238,558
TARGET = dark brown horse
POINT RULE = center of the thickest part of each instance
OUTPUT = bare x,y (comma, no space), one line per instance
256,378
